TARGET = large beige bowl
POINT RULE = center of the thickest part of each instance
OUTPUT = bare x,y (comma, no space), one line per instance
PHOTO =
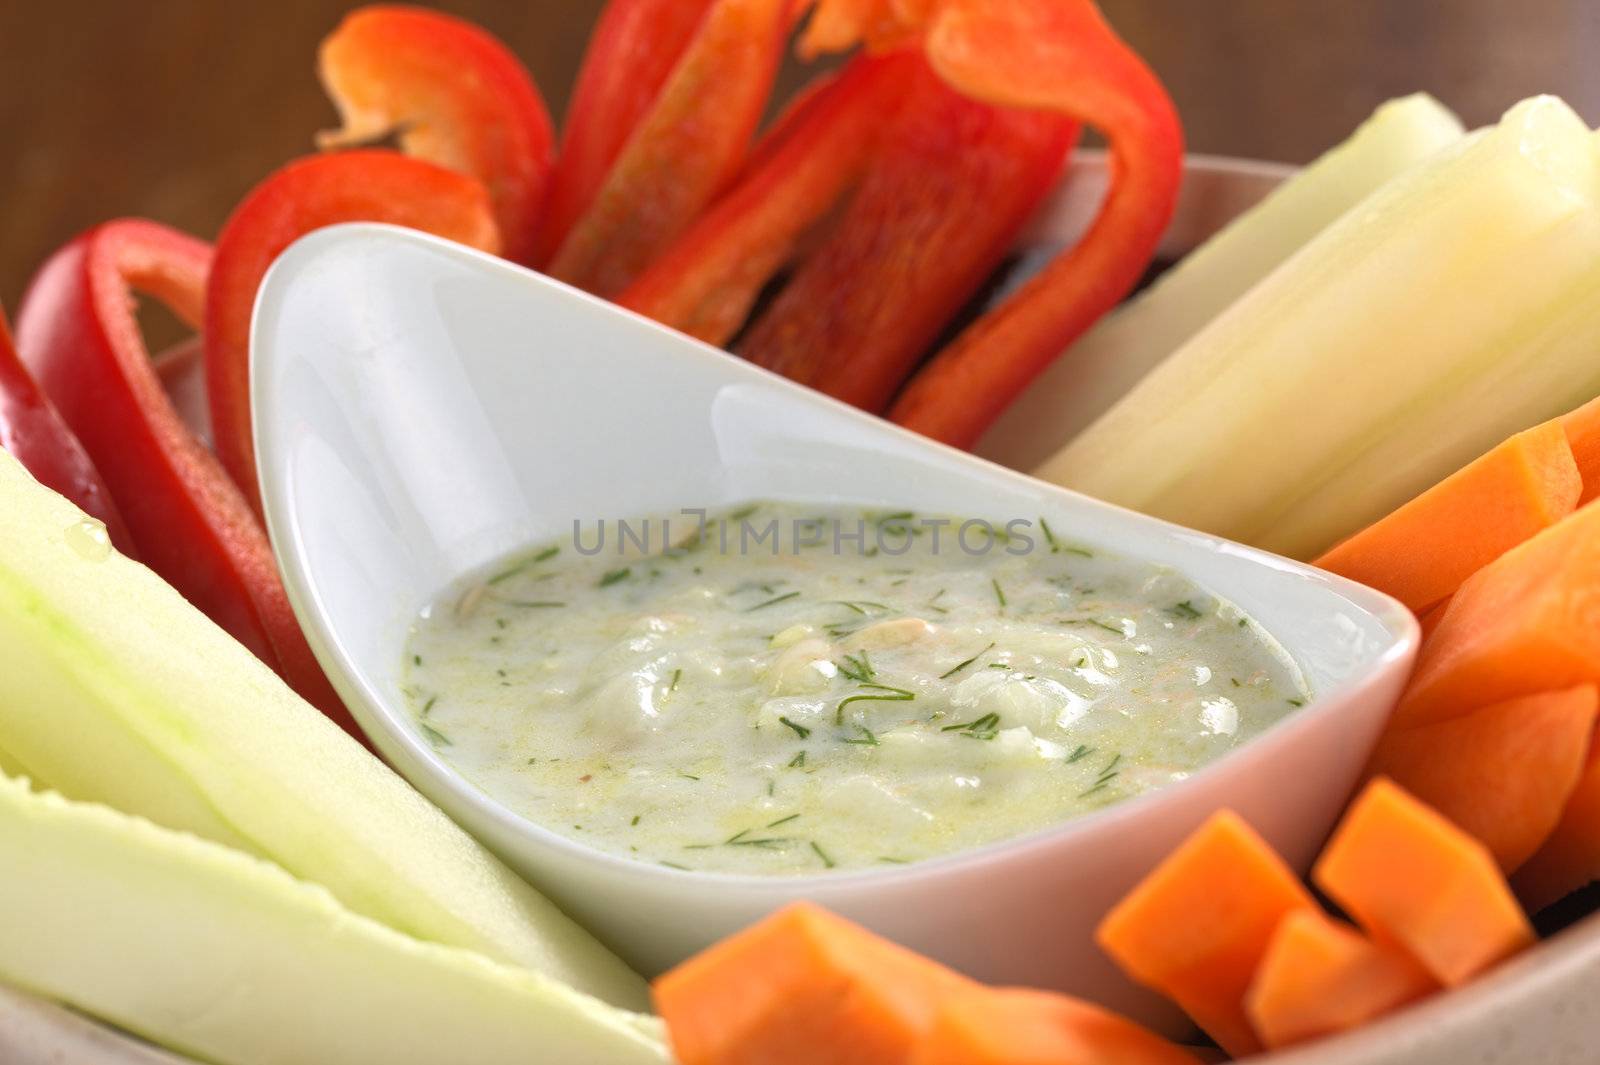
1537,1010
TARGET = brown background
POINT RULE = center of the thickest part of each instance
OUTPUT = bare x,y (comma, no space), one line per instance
173,108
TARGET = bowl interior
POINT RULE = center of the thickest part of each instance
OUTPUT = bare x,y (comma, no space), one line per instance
423,410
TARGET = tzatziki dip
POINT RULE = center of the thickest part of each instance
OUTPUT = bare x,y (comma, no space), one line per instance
787,689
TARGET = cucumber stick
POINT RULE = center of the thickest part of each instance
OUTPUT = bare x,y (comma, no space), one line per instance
1458,304
217,954
115,690
1111,358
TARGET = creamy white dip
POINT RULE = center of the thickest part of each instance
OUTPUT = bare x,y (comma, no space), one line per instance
812,703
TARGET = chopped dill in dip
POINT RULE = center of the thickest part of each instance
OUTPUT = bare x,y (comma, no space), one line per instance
810,704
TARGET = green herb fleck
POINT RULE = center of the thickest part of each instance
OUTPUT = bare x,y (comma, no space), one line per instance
782,821
770,602
982,728
1049,537
675,865
866,739
860,606
1185,610
1297,702
999,593
799,730
797,761
892,695
437,738
857,667
826,861
677,675
533,604
947,674
608,579
1082,751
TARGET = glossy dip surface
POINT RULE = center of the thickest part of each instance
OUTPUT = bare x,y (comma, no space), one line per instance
790,689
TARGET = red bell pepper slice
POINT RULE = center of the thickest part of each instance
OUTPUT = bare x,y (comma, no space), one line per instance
679,153
76,331
706,283
308,194
633,50
32,431
949,187
1059,56
455,95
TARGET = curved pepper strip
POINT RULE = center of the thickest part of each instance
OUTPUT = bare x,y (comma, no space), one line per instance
76,331
683,151
1059,56
455,95
706,283
631,53
308,194
949,187
32,431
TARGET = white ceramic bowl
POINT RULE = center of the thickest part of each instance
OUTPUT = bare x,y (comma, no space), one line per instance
422,409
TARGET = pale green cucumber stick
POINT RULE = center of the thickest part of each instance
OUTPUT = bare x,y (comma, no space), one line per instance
228,958
113,689
1457,305
1111,358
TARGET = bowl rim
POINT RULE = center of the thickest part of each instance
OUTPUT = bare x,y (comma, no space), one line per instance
387,724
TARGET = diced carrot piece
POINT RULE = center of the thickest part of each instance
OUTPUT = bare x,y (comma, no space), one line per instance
1525,623
1412,879
1422,552
1582,427
1430,619
1503,773
1570,858
1195,928
1321,976
989,1026
802,986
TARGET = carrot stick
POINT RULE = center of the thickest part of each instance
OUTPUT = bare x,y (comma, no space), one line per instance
988,1026
1429,620
1503,773
1321,976
1196,928
1525,623
1422,552
1582,427
802,987
1570,858
1414,880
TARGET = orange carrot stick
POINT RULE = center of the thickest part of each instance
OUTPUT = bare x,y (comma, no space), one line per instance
1414,880
1422,552
1430,619
988,1026
1321,976
802,987
1196,928
1525,623
1582,427
1503,773
1570,858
